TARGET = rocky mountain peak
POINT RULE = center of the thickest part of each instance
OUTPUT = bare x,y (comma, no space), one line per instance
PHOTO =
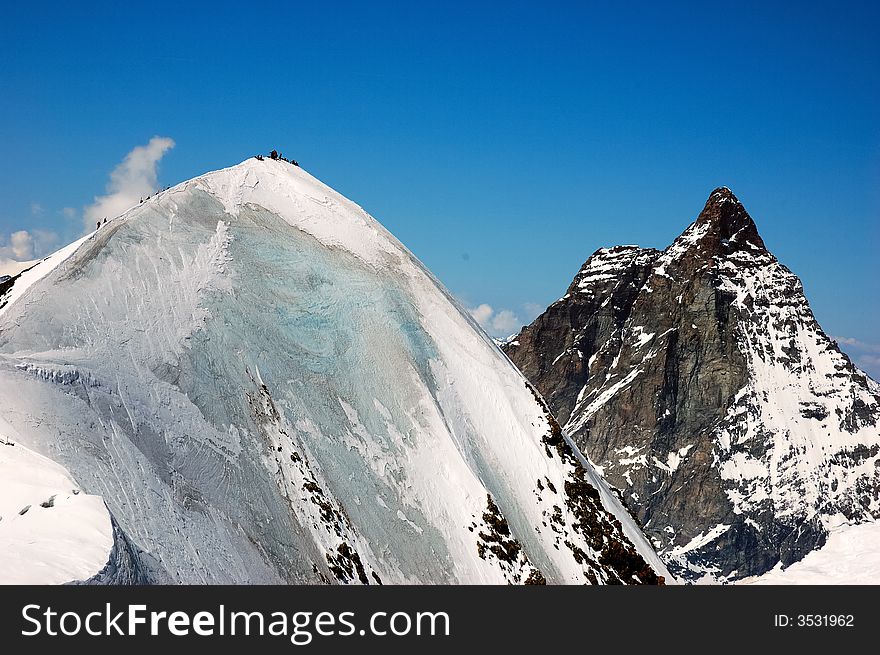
722,229
722,194
725,224
699,381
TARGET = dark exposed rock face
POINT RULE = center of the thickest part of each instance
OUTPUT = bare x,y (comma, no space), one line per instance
699,380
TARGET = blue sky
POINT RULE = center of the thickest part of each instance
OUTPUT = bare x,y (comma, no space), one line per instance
502,142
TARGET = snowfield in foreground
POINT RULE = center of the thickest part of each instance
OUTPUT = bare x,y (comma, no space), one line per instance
264,385
50,532
850,556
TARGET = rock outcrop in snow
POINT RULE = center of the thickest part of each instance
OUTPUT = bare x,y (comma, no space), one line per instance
699,382
265,386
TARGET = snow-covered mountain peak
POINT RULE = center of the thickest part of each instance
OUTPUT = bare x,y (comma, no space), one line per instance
264,385
302,200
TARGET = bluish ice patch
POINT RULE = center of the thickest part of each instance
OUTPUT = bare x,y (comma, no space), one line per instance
318,326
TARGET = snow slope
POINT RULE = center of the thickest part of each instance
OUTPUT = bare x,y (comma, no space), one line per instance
50,532
265,386
850,556
12,268
818,414
26,274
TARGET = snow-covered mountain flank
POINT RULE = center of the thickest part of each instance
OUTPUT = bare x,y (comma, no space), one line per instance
246,378
699,382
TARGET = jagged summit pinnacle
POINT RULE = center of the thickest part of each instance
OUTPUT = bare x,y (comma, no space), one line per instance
723,228
723,194
726,220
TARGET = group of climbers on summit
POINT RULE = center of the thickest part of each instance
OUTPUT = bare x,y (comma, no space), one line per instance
278,157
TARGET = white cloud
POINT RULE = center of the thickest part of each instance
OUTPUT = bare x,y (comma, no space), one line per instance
482,314
865,355
45,242
498,324
870,364
505,322
134,178
857,345
22,246
532,310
